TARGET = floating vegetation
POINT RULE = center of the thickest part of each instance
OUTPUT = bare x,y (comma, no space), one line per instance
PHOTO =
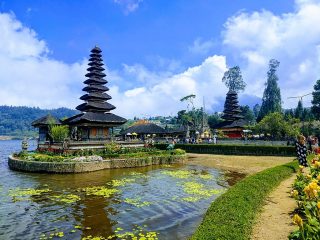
51,235
166,165
198,191
66,198
122,182
134,235
137,202
24,194
182,174
205,176
99,191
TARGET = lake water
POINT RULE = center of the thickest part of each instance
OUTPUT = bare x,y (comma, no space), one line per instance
168,201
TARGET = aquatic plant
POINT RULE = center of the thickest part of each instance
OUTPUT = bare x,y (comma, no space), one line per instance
66,198
122,182
24,194
178,174
137,202
99,191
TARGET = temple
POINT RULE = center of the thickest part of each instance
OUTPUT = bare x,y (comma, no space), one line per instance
233,123
96,120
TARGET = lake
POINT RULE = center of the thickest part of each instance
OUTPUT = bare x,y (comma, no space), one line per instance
164,202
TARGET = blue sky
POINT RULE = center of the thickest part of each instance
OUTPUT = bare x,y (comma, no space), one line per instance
156,51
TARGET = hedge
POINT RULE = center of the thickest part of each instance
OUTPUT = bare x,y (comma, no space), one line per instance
234,149
232,215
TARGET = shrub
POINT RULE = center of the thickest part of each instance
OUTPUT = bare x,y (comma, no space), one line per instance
59,132
234,149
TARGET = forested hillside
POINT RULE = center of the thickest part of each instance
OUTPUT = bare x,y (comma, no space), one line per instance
16,121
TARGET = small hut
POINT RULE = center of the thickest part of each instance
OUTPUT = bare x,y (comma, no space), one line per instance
96,121
43,125
233,123
144,130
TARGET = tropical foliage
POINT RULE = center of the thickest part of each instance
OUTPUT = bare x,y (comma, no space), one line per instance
59,132
275,126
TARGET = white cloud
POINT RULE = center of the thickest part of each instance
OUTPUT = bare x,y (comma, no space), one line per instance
292,38
129,5
163,97
201,47
27,75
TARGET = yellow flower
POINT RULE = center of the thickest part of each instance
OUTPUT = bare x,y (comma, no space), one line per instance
318,204
297,220
318,178
294,193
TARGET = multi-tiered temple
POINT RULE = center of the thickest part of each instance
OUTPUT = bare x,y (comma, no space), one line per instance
96,120
233,123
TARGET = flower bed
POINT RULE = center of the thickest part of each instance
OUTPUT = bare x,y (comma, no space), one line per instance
306,189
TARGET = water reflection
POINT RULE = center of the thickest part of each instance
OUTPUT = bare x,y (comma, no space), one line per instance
150,197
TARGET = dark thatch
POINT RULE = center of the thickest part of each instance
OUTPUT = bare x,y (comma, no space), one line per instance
91,117
235,124
146,128
93,96
95,106
45,121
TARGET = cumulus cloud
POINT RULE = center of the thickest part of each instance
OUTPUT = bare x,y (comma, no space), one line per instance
27,75
129,6
163,97
292,38
201,47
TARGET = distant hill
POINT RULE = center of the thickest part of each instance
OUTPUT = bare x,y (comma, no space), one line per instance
16,121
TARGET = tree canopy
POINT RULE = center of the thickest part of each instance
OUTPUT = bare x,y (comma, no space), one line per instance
271,100
316,100
233,79
275,126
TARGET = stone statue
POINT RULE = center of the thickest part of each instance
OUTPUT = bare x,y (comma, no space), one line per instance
24,145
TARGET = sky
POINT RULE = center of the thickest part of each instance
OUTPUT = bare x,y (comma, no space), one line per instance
156,51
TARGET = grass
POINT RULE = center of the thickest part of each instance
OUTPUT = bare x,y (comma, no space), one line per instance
232,215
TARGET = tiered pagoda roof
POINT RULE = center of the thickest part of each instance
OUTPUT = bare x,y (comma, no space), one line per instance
232,109
95,108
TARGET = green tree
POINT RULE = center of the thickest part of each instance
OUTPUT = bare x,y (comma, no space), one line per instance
298,113
271,101
248,114
316,100
233,79
275,126
214,119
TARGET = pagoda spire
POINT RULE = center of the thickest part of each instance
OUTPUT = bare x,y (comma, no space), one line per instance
95,98
232,109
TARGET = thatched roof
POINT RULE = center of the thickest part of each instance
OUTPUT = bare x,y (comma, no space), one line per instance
45,121
145,128
104,118
235,124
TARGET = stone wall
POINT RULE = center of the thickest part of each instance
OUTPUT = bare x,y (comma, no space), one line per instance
78,167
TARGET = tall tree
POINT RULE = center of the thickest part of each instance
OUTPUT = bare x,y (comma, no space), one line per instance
271,101
248,114
256,110
316,100
233,79
298,113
